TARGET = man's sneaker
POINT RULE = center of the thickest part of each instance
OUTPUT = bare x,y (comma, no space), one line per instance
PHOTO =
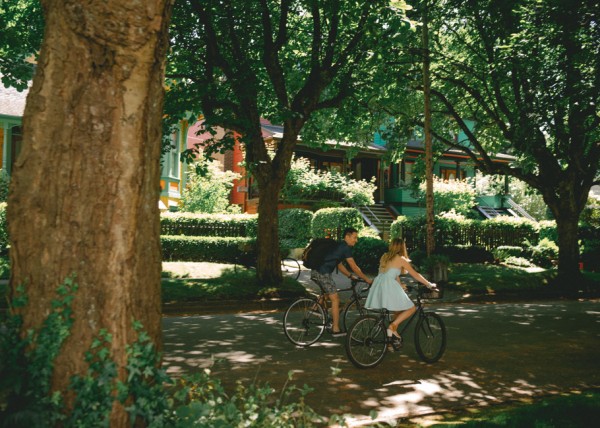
339,334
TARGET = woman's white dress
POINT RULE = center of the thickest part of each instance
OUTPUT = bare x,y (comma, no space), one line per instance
387,293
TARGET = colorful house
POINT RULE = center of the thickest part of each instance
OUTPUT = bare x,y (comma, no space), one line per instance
393,197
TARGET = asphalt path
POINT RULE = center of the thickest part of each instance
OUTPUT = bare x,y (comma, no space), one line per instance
496,353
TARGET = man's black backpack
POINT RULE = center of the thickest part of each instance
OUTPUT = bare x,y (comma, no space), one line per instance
314,255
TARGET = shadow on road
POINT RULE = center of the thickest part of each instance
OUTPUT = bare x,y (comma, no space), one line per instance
496,353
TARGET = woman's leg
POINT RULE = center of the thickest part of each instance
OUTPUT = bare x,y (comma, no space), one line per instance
401,316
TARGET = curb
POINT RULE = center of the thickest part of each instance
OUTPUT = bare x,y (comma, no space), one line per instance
242,306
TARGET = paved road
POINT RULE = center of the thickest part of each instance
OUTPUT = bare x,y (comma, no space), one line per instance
496,353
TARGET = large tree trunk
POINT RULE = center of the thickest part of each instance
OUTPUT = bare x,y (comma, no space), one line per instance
268,253
84,195
566,205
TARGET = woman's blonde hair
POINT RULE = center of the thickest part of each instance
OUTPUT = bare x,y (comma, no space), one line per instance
397,247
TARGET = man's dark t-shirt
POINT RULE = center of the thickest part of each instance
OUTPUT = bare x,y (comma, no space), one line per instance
342,252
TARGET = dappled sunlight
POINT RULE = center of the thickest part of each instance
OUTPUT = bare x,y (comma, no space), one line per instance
495,353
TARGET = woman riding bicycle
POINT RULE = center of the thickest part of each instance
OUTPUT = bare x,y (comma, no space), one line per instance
389,292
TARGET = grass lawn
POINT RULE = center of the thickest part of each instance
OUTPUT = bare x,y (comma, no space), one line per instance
499,279
230,285
576,410
222,283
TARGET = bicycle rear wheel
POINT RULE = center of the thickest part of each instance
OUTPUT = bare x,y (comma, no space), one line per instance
366,342
304,322
430,337
290,268
352,312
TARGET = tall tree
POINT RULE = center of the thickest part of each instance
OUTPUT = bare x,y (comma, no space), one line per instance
430,241
84,192
528,73
22,25
238,62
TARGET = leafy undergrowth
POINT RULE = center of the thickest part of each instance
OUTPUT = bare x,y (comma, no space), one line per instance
570,411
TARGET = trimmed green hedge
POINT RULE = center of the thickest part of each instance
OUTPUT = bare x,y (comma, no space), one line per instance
294,227
451,232
222,225
205,249
367,253
331,222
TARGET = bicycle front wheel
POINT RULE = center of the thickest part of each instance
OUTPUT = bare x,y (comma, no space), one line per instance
290,268
430,337
304,322
352,312
366,342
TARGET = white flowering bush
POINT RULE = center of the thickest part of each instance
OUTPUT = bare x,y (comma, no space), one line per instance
304,183
457,195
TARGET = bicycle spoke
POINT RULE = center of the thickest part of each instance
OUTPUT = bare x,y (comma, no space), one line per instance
366,342
430,337
303,322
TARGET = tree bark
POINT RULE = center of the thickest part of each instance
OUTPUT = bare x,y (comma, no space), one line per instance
566,204
430,219
84,192
268,253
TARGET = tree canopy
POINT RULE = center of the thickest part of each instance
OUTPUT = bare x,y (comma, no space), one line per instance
239,62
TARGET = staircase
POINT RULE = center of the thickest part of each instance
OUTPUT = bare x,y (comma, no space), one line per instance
377,217
513,209
489,212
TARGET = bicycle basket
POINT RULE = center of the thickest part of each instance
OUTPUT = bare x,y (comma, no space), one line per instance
429,294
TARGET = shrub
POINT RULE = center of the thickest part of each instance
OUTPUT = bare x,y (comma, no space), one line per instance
331,222
303,183
543,254
467,254
590,216
205,249
223,225
456,195
208,188
367,253
4,182
547,229
3,227
368,232
504,251
294,227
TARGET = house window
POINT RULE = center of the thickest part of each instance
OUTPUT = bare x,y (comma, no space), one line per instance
449,174
407,170
332,166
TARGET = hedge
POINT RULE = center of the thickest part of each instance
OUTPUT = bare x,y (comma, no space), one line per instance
205,249
294,227
222,225
331,222
450,232
367,253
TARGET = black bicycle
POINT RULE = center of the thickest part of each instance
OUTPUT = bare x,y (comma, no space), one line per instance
307,318
367,341
290,267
